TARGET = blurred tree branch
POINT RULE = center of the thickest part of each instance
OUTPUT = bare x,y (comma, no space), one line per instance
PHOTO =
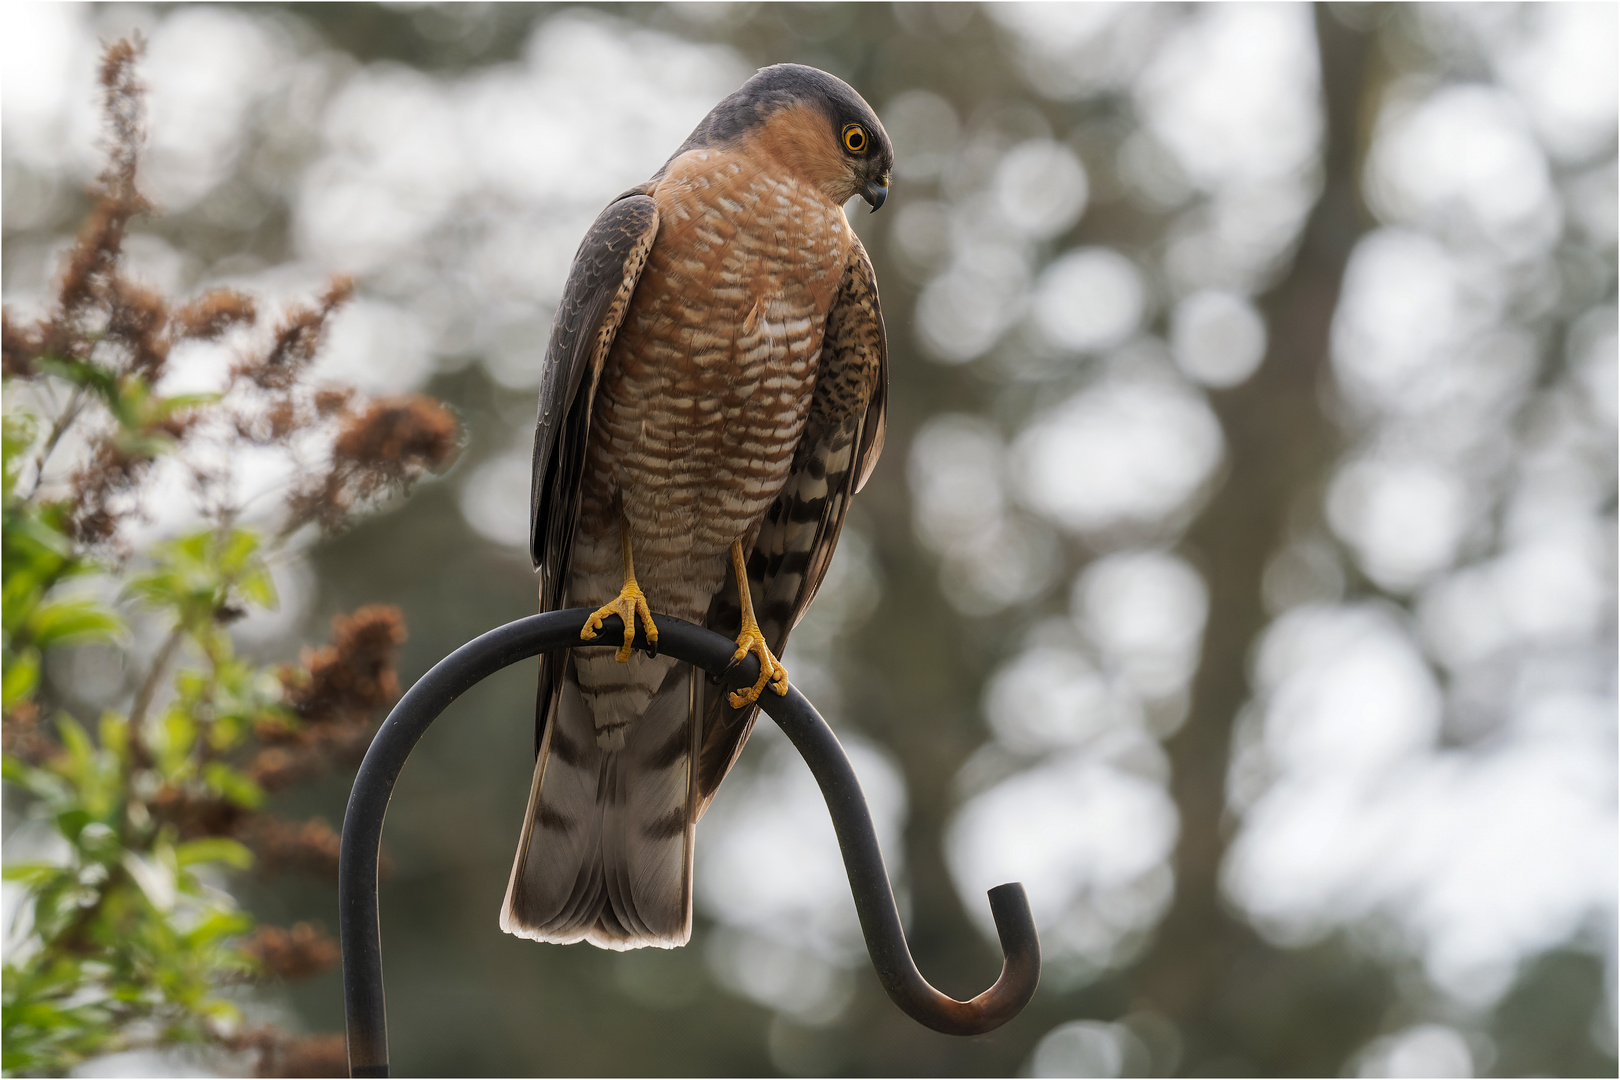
1281,1014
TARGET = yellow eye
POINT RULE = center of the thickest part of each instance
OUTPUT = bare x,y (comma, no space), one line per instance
855,138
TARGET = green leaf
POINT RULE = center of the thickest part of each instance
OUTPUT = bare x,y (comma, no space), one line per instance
154,878
99,843
214,849
36,555
233,785
175,736
81,751
219,924
220,1011
31,874
164,407
72,621
240,546
17,771
71,823
17,437
101,380
114,732
21,677
259,588
37,781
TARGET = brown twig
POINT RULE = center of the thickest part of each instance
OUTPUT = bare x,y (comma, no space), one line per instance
64,420
148,691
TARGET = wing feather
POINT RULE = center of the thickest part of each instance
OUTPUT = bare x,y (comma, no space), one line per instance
600,283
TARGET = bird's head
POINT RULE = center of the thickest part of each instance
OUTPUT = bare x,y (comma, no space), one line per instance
812,122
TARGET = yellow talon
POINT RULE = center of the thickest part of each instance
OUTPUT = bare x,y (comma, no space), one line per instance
627,605
630,603
752,641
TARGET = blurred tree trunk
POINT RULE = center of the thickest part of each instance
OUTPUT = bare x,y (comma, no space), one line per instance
1240,1003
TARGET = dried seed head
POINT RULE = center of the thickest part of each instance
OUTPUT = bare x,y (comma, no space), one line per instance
195,816
92,263
297,953
312,1055
178,425
383,447
213,313
277,767
91,260
309,847
399,437
354,676
24,735
296,341
20,347
330,400
113,469
284,419
124,101
139,319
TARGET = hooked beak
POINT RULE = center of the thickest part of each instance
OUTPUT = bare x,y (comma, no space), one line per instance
875,193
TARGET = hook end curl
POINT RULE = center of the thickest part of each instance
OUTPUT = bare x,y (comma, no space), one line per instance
1020,974
1020,950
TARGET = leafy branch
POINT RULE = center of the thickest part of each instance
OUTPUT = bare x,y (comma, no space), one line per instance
128,936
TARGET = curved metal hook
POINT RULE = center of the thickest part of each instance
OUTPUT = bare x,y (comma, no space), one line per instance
364,1007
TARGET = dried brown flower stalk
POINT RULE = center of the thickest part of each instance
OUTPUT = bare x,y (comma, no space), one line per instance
298,338
212,314
19,347
281,1054
354,675
25,737
295,953
92,265
381,448
316,1055
309,847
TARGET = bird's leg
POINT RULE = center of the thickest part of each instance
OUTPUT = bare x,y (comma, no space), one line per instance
630,602
752,641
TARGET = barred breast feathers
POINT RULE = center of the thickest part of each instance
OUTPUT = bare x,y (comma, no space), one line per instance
843,435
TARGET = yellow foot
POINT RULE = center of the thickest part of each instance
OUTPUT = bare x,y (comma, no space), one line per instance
627,605
770,668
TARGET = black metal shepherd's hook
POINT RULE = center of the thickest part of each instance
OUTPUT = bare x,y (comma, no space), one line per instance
475,661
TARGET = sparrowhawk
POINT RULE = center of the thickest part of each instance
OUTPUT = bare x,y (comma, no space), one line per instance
712,396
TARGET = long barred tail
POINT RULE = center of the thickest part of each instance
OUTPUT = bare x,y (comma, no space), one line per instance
606,851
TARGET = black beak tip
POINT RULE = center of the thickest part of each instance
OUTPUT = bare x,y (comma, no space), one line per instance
876,194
